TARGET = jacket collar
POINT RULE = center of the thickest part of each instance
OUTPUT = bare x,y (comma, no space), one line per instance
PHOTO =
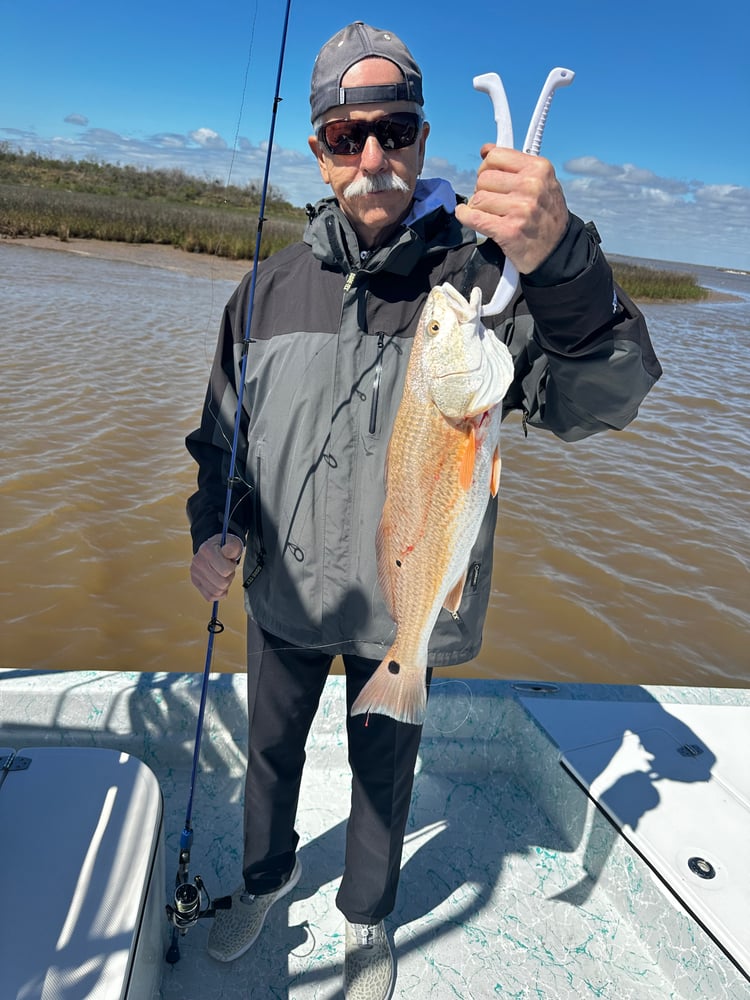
430,227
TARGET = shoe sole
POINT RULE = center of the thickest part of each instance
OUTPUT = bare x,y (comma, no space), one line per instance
285,888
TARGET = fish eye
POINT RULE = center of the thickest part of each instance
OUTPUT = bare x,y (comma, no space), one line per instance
433,327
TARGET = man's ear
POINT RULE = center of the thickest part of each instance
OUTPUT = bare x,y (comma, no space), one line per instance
423,144
318,152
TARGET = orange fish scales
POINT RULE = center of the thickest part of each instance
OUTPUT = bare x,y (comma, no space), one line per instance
443,461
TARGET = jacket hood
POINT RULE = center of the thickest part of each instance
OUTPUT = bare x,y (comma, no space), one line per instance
430,227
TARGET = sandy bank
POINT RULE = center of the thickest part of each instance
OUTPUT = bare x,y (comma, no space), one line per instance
145,254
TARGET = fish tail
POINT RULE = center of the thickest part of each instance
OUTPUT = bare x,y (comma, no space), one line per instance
393,691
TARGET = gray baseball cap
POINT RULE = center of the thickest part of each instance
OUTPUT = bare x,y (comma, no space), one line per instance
355,42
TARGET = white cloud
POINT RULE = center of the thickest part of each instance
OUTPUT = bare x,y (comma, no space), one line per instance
589,166
207,138
169,140
76,119
462,180
724,194
626,173
641,214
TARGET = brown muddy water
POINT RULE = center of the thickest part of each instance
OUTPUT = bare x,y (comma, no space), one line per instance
623,558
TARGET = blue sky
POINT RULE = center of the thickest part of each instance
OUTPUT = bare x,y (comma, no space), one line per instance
651,140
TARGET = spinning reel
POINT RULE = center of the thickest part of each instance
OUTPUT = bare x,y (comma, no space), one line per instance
188,905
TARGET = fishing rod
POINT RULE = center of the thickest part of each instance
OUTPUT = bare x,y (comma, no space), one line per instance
188,906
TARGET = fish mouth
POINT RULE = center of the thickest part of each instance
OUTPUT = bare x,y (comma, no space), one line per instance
460,372
475,392
454,397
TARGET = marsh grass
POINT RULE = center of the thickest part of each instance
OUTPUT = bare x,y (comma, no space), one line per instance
651,283
85,200
73,199
68,215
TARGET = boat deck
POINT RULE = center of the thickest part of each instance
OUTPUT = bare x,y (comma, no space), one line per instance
514,883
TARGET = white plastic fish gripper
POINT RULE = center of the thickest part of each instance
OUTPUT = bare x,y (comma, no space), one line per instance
492,85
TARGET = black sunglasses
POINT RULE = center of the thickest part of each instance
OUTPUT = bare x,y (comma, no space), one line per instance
347,137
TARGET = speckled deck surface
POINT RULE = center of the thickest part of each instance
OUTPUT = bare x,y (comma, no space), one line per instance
513,885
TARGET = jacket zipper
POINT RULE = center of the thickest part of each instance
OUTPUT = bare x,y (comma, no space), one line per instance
472,580
260,557
376,384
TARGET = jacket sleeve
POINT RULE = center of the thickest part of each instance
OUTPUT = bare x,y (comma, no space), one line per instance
583,355
211,444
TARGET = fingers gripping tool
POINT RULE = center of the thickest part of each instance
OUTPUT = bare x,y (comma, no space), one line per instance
492,85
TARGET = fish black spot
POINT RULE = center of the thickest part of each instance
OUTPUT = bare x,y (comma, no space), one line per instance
394,667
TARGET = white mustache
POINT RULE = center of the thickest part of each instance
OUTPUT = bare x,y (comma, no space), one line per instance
373,183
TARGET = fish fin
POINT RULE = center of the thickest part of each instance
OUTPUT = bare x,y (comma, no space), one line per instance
466,472
395,692
385,578
495,474
452,601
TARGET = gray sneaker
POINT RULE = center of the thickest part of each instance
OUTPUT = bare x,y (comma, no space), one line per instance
369,968
236,929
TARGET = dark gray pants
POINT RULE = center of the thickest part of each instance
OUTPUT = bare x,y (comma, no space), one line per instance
284,689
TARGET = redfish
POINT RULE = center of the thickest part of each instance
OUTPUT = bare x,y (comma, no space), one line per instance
442,466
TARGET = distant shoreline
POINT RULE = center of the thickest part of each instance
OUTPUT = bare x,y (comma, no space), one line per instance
200,265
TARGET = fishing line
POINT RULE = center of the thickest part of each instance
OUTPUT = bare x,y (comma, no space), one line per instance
470,696
242,98
189,896
235,143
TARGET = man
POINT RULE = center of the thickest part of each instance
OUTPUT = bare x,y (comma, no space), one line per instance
332,327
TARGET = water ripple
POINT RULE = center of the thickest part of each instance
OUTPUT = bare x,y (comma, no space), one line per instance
623,557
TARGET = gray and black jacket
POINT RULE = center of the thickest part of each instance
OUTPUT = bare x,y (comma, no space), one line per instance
331,336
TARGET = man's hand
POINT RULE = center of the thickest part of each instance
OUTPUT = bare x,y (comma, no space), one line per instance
213,567
519,204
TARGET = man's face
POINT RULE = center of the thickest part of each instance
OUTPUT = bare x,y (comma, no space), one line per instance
376,214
